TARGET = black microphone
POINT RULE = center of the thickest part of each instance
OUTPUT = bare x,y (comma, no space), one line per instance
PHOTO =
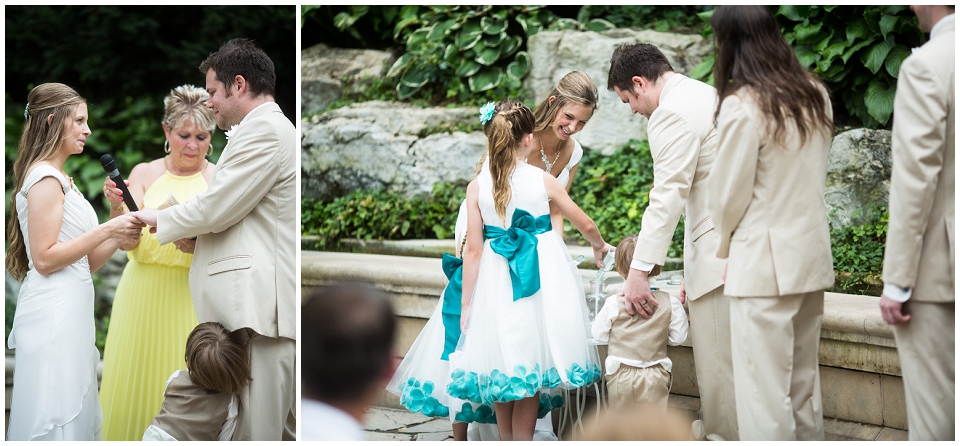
111,168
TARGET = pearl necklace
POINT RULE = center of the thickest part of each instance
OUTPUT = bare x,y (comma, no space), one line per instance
543,156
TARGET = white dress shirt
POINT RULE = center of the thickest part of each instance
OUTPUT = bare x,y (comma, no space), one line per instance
600,330
323,422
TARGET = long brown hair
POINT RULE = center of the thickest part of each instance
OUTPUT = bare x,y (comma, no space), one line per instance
510,123
39,141
576,87
751,52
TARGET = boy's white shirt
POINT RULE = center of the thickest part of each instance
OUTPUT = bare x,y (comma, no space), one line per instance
154,433
677,333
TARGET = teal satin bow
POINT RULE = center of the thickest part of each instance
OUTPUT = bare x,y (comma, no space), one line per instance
452,304
518,244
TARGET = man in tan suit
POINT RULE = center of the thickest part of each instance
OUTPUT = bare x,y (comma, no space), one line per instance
683,143
243,272
918,264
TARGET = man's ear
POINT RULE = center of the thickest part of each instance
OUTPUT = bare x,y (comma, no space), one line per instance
240,83
640,84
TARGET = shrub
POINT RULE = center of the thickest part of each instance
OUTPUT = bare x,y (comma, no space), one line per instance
858,254
615,190
857,50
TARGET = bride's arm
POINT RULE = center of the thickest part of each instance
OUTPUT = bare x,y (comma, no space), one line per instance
46,198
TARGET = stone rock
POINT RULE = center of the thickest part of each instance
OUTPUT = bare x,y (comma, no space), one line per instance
323,72
858,175
555,53
386,145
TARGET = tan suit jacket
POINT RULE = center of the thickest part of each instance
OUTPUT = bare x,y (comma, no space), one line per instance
683,143
766,199
920,244
243,272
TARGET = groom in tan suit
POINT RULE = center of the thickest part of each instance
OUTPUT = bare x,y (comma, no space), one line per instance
683,143
243,272
918,264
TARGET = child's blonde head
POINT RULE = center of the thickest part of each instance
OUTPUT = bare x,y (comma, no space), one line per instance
216,359
624,257
511,122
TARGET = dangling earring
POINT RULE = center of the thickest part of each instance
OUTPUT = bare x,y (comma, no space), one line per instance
166,146
210,150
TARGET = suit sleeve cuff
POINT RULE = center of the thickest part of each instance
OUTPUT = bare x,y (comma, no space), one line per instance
641,265
896,293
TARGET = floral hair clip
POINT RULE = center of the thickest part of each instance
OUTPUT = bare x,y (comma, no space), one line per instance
486,112
26,111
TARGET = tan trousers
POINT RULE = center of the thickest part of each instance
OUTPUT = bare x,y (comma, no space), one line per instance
927,362
710,336
635,384
268,404
775,366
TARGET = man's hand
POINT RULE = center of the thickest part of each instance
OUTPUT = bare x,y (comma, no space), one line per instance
892,311
637,295
148,217
683,293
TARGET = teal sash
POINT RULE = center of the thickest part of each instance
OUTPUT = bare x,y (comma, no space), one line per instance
518,244
452,304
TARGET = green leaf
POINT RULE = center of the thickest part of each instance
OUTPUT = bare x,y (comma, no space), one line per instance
470,33
520,66
565,24
806,34
849,51
706,15
488,78
530,25
836,73
491,25
858,29
787,11
892,9
833,51
416,39
493,39
401,63
599,25
806,55
895,59
887,23
415,78
468,68
511,45
876,54
824,42
879,100
488,56
402,24
439,30
405,91
703,68
584,14
451,55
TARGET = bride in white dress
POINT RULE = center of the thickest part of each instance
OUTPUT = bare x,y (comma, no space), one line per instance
53,249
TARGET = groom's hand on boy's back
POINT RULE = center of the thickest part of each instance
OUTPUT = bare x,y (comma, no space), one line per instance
637,296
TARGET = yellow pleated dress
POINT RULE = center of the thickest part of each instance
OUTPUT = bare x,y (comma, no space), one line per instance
151,318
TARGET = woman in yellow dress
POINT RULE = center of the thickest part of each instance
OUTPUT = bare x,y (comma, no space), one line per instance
152,311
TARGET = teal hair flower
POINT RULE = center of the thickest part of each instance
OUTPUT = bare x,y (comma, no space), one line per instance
486,112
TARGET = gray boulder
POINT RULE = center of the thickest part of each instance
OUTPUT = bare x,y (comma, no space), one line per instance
858,175
556,53
387,145
325,72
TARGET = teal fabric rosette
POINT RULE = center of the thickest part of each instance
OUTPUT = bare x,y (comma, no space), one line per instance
452,304
518,244
418,397
486,112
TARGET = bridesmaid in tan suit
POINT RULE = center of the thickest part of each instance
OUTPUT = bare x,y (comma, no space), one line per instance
918,265
766,199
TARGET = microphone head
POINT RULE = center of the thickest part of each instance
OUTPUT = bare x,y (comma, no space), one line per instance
108,164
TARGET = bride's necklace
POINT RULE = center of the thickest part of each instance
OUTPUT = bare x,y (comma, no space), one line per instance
543,156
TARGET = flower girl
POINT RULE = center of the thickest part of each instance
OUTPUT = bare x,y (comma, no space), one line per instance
523,311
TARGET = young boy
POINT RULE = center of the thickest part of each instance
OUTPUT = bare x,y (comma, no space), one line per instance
637,366
200,403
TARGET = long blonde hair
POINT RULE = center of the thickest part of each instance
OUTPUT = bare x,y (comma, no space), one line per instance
575,87
39,141
510,123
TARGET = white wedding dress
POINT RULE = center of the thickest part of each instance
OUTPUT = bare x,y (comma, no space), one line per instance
55,394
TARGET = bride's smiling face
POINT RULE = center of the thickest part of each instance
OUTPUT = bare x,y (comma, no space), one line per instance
570,119
76,130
